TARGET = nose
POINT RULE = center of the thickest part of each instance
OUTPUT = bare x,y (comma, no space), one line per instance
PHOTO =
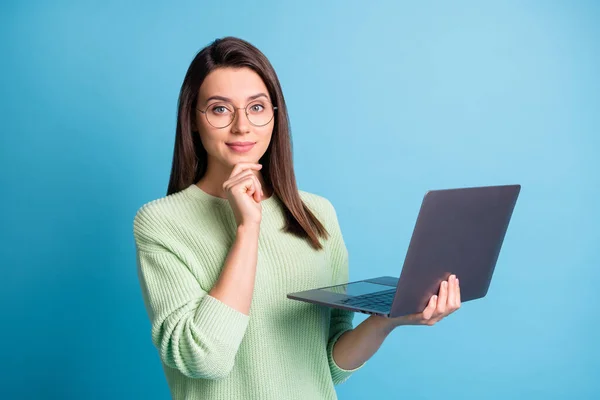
240,123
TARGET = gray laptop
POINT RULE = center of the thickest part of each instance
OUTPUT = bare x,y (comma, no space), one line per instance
458,231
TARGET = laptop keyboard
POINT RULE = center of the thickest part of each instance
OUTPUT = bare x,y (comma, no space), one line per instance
375,301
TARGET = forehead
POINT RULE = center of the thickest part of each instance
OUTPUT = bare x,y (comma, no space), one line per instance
235,83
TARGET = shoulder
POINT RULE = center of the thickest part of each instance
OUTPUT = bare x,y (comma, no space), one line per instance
319,205
157,218
326,213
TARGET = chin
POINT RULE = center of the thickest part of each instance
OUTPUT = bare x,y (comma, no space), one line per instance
236,159
231,158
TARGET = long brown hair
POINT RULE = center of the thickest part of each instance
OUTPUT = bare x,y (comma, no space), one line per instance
190,158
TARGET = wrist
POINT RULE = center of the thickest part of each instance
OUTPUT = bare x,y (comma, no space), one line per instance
248,228
384,324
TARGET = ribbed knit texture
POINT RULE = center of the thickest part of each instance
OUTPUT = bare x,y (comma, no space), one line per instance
283,348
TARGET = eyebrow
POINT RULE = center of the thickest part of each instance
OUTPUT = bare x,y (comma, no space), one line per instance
222,98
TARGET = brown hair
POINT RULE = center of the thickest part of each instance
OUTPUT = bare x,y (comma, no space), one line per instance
190,157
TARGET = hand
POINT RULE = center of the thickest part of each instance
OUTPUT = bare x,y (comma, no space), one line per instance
244,194
447,301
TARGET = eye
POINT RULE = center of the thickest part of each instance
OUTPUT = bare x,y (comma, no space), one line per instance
256,108
220,109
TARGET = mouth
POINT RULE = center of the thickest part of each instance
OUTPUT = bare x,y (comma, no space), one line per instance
241,147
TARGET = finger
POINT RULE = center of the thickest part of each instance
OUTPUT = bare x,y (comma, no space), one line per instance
443,298
451,294
240,178
232,181
430,309
244,166
251,186
236,179
248,186
458,301
244,183
258,193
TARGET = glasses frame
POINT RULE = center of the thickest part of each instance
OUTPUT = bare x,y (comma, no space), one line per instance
235,115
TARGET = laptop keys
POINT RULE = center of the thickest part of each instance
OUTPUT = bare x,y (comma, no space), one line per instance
378,300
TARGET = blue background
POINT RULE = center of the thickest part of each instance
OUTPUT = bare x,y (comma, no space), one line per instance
386,101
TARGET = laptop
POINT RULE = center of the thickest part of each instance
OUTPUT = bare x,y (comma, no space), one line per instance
458,231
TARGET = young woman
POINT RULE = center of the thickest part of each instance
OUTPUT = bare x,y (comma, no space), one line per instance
234,235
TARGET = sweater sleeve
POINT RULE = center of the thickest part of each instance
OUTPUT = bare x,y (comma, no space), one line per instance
194,332
341,320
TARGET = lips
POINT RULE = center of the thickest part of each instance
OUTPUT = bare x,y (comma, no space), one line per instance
241,147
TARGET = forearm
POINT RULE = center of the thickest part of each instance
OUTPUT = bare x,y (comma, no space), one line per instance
196,334
236,282
355,347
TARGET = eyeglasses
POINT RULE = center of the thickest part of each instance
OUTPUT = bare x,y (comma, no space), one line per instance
221,115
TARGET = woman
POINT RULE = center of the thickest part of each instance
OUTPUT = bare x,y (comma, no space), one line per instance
234,235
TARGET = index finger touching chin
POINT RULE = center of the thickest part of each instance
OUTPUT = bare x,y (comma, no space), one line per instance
244,166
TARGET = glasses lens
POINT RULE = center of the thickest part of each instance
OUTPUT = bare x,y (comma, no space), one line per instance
220,115
259,112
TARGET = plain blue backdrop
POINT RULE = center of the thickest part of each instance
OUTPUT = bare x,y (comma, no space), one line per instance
386,101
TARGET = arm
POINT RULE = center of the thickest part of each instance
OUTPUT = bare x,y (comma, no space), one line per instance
341,320
349,349
236,282
195,332
357,346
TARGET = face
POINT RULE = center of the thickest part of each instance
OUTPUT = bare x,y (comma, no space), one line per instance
237,97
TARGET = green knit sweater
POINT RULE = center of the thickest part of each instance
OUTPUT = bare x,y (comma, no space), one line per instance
283,348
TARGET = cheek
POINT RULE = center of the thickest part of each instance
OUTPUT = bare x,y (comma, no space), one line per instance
265,132
210,140
265,137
